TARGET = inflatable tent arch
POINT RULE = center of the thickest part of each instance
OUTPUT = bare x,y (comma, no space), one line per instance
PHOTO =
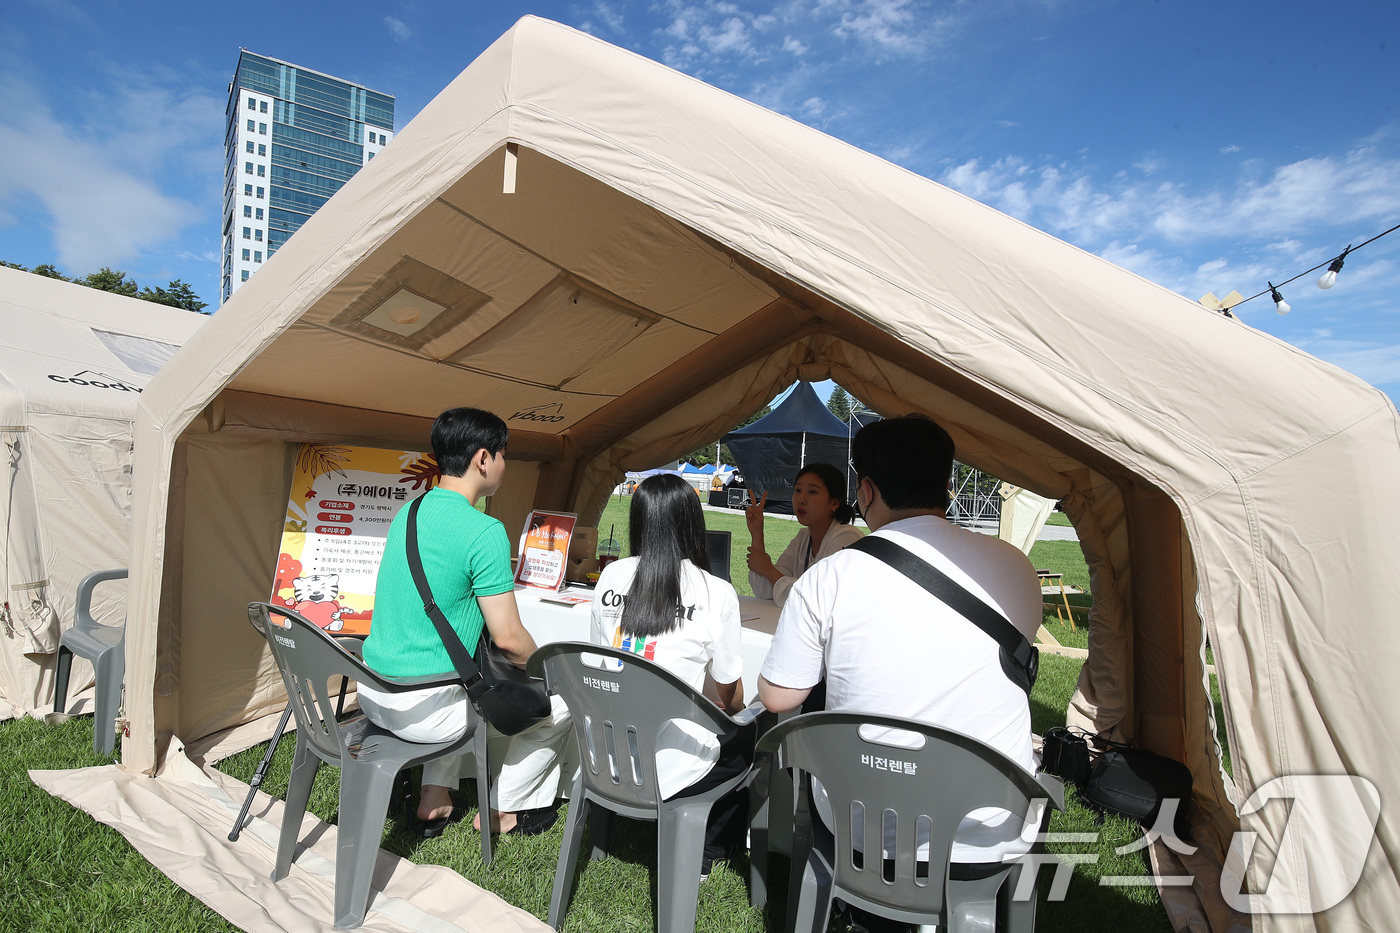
624,262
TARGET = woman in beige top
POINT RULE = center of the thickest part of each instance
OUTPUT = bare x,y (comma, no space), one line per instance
818,502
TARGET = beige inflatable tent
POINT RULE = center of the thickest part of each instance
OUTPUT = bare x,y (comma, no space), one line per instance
73,362
625,262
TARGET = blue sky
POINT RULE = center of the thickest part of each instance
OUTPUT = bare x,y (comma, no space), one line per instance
1207,146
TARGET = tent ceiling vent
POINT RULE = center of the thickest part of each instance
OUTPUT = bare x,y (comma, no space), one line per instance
573,323
411,305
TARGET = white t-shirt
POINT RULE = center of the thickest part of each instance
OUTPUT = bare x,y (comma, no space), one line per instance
798,556
889,647
708,639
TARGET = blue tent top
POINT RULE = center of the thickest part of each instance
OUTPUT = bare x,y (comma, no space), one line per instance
689,467
801,412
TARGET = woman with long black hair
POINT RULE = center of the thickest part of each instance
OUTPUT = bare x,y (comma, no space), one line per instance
819,504
662,605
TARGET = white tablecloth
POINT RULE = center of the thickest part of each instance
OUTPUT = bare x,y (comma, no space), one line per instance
550,622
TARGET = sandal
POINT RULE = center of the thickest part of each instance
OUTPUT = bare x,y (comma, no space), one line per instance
431,829
534,822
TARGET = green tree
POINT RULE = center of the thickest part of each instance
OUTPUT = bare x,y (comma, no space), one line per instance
108,279
839,404
49,271
178,295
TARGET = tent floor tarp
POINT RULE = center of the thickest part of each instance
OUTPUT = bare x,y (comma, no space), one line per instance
180,823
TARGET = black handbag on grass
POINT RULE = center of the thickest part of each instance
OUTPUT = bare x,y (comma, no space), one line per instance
1065,754
506,696
1134,782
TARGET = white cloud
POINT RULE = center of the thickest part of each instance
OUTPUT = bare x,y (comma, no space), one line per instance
398,29
1229,149
1296,198
1377,364
100,181
794,46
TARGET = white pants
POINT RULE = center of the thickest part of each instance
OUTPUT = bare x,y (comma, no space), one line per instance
527,776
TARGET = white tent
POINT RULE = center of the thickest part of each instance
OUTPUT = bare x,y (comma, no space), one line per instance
73,362
624,262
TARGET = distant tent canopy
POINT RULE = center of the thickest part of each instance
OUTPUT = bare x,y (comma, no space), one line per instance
770,451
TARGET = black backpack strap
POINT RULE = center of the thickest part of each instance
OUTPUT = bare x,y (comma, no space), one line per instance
1014,645
470,672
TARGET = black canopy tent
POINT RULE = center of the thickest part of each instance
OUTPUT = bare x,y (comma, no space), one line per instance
799,431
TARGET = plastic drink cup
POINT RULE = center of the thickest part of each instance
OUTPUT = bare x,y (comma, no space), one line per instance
609,551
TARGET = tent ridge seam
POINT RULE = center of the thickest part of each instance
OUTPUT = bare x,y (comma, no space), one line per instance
1309,442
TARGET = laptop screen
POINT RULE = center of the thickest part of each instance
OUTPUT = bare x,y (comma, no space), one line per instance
717,550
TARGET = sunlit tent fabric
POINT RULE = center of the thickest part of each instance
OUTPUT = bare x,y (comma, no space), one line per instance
73,361
624,262
799,431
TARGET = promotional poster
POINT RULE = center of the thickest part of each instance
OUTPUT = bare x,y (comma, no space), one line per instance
342,502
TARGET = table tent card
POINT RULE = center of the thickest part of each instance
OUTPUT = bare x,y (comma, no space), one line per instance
338,514
544,549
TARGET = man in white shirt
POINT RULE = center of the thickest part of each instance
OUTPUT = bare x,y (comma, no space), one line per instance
887,646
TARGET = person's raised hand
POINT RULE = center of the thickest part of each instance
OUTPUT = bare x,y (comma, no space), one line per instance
759,561
753,516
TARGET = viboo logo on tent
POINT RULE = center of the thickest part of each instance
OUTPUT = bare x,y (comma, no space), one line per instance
96,380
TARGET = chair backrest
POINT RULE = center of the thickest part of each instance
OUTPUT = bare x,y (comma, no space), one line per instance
922,793
617,711
308,658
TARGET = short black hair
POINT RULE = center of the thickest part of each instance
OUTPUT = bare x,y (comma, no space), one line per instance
909,459
459,433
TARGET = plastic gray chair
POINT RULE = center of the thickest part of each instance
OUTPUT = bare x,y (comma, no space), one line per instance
617,714
105,647
925,792
369,758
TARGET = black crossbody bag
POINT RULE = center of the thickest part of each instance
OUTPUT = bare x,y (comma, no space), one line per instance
506,696
1019,659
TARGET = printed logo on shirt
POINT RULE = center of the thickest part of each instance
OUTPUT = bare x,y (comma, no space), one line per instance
645,647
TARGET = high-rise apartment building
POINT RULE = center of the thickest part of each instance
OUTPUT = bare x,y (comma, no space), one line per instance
293,137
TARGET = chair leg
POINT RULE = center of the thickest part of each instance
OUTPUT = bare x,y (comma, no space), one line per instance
110,668
680,848
812,911
760,814
304,767
1020,915
971,906
364,801
568,856
483,789
600,832
62,669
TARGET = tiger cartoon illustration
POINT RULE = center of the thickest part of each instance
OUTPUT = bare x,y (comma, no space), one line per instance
315,595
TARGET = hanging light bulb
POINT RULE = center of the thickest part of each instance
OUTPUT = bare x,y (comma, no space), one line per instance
1329,278
1282,306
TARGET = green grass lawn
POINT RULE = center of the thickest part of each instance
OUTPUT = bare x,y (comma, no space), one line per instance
65,871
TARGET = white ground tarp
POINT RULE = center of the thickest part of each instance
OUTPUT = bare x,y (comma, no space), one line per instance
73,362
180,823
625,262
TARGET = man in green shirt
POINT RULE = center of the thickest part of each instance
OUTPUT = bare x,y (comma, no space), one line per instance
466,558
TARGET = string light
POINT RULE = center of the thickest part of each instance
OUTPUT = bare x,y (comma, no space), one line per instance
1334,265
1329,278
